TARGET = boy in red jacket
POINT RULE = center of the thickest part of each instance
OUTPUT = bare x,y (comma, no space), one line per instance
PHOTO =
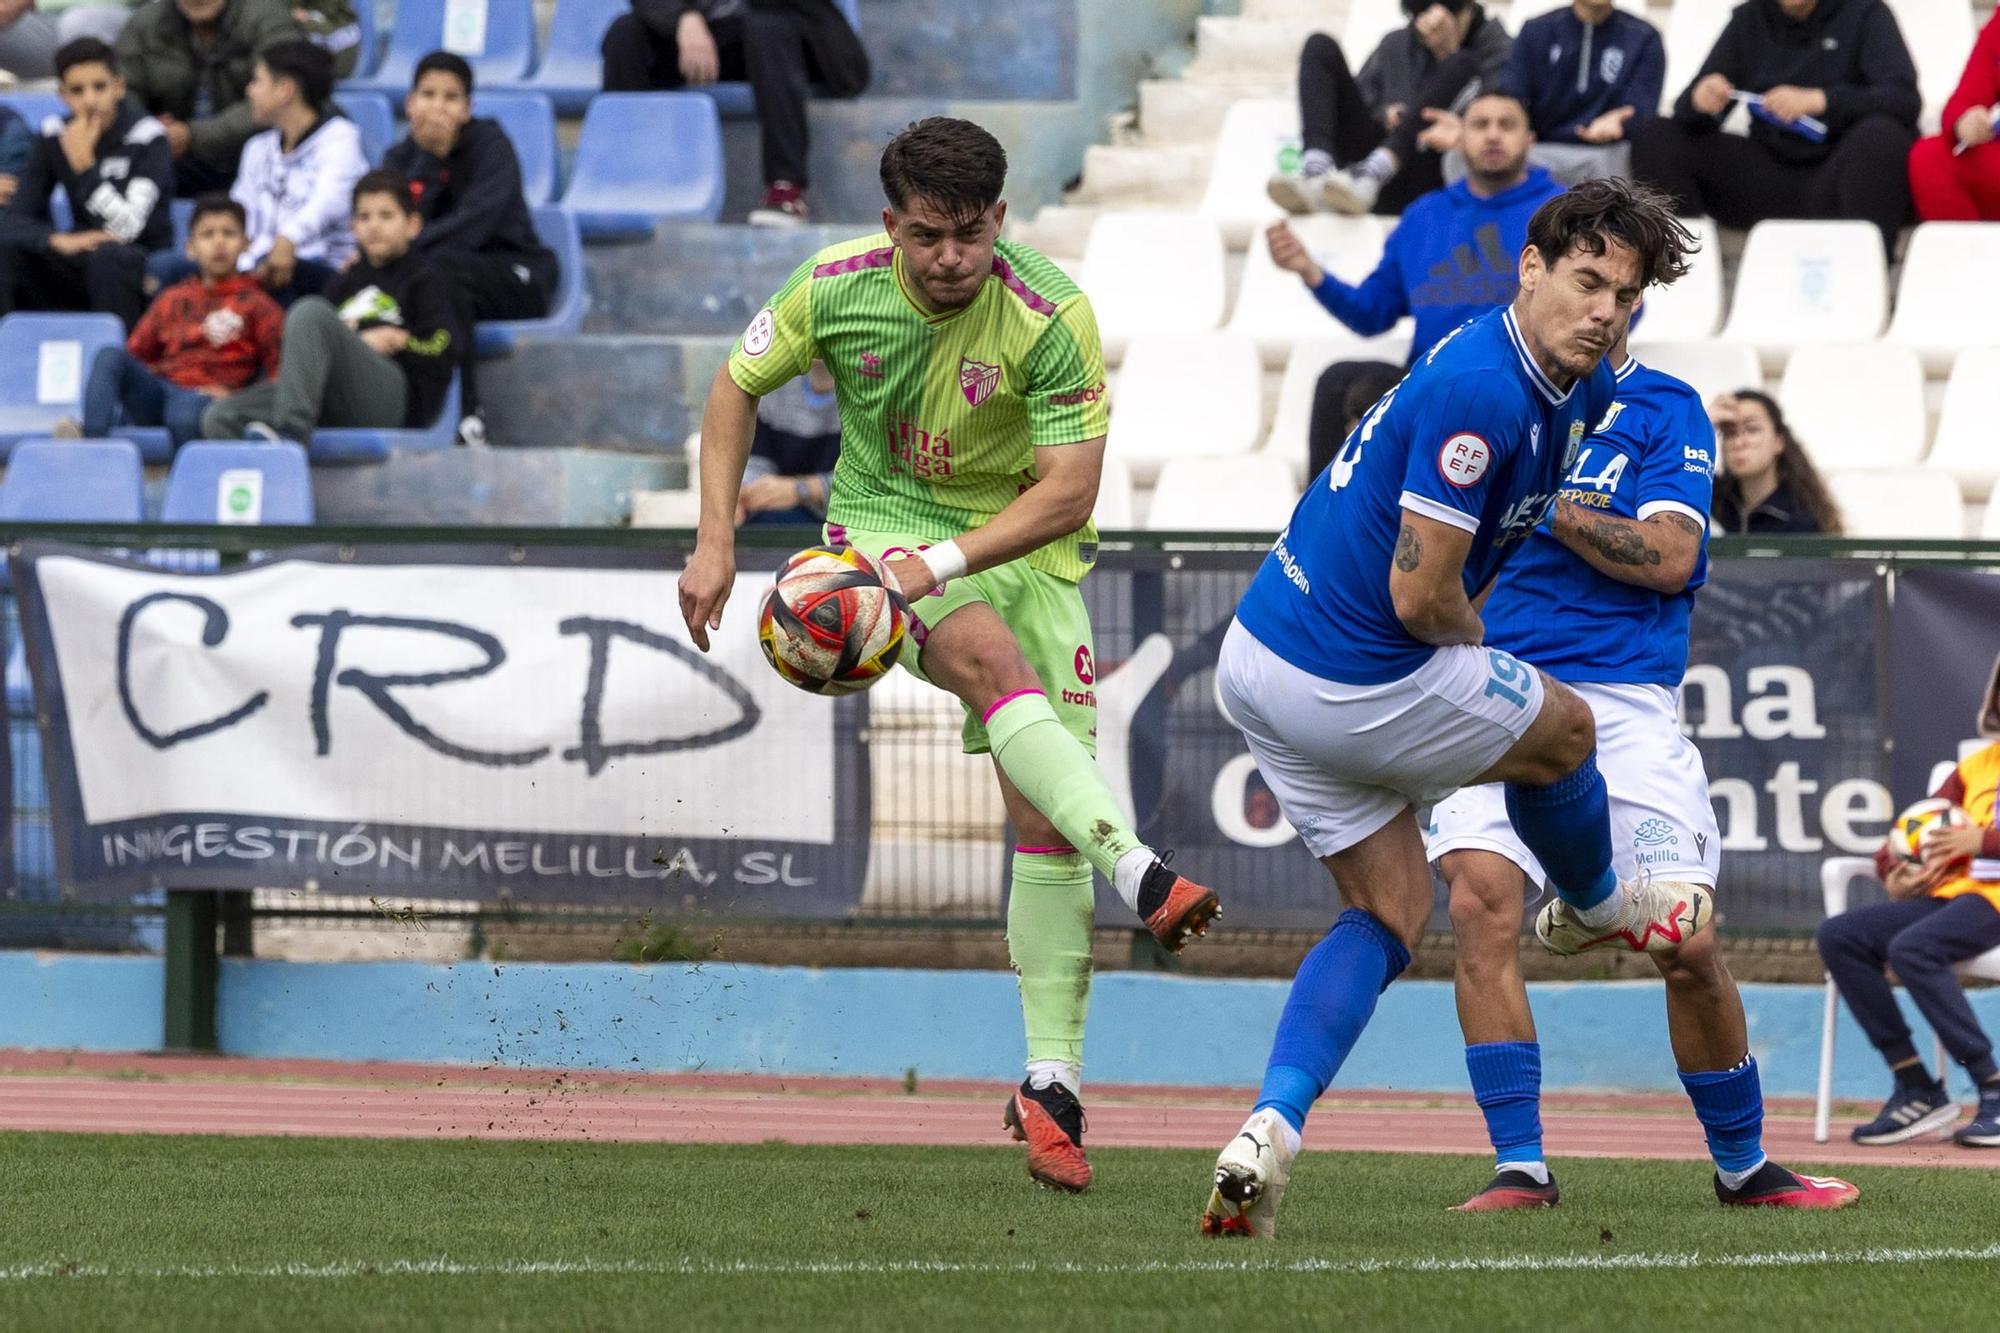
202,339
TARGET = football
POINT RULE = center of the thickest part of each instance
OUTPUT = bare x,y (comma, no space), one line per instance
830,624
1906,836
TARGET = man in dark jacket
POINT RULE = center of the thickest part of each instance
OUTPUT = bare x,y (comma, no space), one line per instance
1590,76
187,62
1833,100
111,160
1369,141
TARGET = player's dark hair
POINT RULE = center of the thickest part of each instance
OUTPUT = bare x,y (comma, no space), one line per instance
392,183
84,51
1796,472
954,165
215,201
1589,216
443,62
306,64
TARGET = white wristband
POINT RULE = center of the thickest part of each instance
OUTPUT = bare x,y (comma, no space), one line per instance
944,560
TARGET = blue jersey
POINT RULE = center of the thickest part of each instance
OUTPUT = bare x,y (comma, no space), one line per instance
1475,436
1654,452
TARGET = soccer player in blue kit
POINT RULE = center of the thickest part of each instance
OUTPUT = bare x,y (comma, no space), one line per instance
1600,597
1356,670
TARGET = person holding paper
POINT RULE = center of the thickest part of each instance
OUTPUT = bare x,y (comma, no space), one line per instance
1833,98
1955,176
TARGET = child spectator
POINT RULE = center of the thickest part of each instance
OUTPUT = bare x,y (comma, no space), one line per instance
189,61
298,176
205,338
1955,176
1768,483
477,231
376,348
111,160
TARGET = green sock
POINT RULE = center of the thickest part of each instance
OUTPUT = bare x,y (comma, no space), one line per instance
1060,778
1048,932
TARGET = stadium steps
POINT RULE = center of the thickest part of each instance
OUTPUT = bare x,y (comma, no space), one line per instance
701,279
1229,48
1171,177
636,392
1190,111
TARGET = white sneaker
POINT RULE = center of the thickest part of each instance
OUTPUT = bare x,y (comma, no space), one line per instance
1250,1179
1654,916
1297,194
1349,192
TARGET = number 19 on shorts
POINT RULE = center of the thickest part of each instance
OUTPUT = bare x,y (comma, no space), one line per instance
1510,678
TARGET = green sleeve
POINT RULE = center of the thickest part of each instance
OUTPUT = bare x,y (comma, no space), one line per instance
778,346
1066,400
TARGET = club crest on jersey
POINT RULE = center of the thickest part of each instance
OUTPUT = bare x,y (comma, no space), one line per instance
977,379
1575,440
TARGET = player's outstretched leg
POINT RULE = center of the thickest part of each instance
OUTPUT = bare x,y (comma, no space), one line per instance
1048,935
1387,883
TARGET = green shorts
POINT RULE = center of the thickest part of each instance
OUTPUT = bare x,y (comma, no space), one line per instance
1045,613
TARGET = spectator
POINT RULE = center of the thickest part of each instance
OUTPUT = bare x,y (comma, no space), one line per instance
17,145
1589,75
1452,256
477,227
188,62
334,27
204,338
377,348
1371,379
1769,483
782,47
32,31
1955,176
1369,141
1940,912
111,160
790,469
297,177
1833,101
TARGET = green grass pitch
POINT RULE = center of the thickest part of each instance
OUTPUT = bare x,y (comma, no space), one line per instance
131,1233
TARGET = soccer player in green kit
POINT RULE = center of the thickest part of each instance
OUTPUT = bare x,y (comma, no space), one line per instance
972,408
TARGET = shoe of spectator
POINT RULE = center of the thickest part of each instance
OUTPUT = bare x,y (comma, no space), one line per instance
1297,194
472,431
69,428
784,206
1349,192
258,430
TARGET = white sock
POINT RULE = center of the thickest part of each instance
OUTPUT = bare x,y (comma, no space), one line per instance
1041,1073
1130,870
1734,1179
1604,913
1538,1170
1316,162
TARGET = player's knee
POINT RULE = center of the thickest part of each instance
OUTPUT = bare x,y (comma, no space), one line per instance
1694,965
1911,955
1483,910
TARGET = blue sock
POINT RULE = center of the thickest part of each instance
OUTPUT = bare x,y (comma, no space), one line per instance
1332,998
1507,1084
1730,1105
1567,825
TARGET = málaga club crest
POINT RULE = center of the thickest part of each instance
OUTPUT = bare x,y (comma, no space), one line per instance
977,379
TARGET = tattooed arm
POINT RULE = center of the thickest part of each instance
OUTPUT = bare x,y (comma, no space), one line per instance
1427,582
1657,553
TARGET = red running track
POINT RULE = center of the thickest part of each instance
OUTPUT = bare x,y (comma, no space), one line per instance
217,1095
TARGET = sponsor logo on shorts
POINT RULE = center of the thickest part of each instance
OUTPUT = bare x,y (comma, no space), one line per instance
1463,459
1086,668
976,380
757,338
1654,833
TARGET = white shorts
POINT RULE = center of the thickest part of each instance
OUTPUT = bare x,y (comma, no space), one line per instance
1661,820
1344,760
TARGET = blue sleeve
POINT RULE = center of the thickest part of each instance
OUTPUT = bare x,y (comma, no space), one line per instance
1645,80
1377,303
17,143
1677,467
1462,436
1517,80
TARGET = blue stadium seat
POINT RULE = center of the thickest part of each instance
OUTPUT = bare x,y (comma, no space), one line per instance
572,70
183,215
32,342
74,481
193,485
371,43
530,123
504,60
35,106
572,301
359,444
374,115
644,157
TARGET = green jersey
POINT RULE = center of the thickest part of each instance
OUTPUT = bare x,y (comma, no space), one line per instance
940,415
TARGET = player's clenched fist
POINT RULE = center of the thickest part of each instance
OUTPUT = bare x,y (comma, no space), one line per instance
705,586
1288,252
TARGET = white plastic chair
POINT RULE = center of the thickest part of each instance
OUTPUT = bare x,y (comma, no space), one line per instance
1968,433
1939,34
1692,307
1276,310
1291,422
1368,22
1114,509
1905,503
1255,135
1153,273
1989,523
1692,27
1185,396
1712,367
1945,262
1856,404
1254,494
1808,282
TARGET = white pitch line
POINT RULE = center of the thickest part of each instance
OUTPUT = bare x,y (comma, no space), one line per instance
1519,1263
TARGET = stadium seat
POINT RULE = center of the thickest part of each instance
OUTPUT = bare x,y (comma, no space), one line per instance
1254,494
35,105
530,123
1257,135
1368,22
1968,438
73,481
194,484
1939,34
1808,282
1712,367
559,232
496,37
370,57
644,157
1692,307
182,212
1943,262
1989,524
572,69
1153,273
1908,503
1185,396
1691,29
364,444
374,115
1114,509
1856,405
1275,309
1291,422
48,356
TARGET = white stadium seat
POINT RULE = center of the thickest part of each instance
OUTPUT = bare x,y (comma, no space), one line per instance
1989,527
1368,22
1289,424
1944,263
1808,282
1968,434
1856,405
1255,134
1254,494
1185,396
1691,29
1939,34
1907,503
1153,273
1692,307
1713,367
1114,496
1276,310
